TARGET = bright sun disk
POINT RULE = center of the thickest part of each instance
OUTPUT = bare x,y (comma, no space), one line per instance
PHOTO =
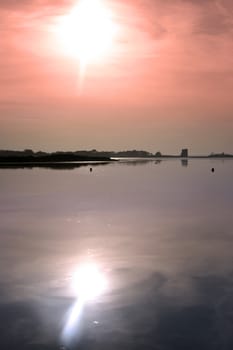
88,31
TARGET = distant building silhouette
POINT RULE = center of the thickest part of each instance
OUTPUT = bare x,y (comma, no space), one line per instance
184,153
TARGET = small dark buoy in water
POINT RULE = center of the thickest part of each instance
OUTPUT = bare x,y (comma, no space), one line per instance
91,170
213,170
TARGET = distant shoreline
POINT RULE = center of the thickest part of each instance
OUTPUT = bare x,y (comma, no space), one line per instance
70,160
28,155
63,165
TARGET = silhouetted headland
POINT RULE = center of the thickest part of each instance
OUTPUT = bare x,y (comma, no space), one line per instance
56,160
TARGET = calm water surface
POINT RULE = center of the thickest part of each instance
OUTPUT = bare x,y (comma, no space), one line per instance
153,244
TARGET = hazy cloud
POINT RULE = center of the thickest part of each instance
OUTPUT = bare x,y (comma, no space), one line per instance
173,52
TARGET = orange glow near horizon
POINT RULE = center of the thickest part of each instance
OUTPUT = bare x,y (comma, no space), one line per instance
87,33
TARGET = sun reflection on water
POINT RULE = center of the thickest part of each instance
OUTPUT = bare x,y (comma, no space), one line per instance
88,283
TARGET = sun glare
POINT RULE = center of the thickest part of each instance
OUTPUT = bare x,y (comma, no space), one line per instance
88,282
88,31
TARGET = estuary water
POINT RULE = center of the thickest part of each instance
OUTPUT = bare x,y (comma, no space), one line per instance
133,255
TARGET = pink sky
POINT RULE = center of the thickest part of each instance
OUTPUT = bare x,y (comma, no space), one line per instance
167,84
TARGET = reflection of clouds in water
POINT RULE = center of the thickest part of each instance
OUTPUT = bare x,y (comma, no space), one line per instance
164,235
150,319
181,298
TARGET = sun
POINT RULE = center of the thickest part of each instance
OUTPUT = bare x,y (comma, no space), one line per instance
88,31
